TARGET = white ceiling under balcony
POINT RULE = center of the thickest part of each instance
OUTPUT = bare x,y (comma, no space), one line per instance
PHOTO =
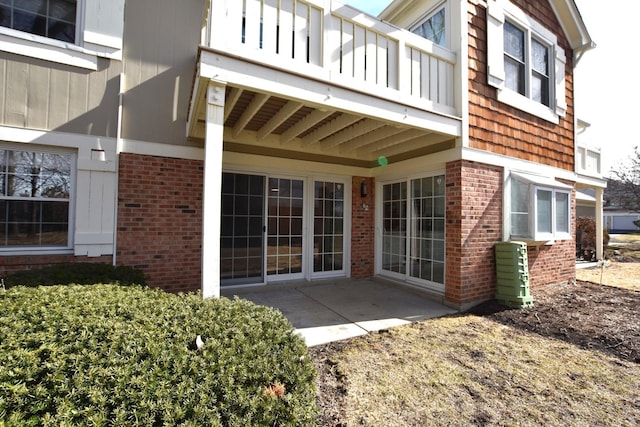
269,125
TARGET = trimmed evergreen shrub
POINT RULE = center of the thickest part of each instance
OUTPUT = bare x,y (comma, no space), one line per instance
77,273
114,355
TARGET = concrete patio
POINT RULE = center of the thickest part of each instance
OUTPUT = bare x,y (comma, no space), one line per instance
334,310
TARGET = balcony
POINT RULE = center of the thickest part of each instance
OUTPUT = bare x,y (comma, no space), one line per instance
320,77
588,161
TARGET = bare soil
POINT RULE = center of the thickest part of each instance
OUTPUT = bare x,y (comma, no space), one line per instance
584,314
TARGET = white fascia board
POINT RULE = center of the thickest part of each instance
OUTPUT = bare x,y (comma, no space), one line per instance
321,95
84,143
148,148
516,165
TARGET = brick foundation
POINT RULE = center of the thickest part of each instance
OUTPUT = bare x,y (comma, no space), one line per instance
160,220
13,264
362,228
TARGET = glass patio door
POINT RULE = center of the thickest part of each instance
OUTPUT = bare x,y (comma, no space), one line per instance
413,231
328,228
284,229
242,229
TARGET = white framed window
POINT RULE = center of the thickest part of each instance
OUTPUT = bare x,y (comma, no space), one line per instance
55,19
71,32
525,63
36,187
539,208
434,27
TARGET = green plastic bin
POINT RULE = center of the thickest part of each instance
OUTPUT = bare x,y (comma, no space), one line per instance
512,272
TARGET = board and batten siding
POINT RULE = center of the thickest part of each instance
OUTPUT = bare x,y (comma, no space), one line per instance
161,39
43,95
502,129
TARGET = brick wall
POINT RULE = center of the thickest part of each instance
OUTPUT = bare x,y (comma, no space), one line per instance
362,228
160,220
502,129
12,264
474,225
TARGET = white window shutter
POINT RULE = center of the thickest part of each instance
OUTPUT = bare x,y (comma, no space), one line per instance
104,26
561,95
495,44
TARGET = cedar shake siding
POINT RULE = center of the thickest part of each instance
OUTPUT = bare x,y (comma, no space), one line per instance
502,129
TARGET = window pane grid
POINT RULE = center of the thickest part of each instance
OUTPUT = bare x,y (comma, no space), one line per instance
284,233
427,229
241,240
328,229
55,19
34,198
394,227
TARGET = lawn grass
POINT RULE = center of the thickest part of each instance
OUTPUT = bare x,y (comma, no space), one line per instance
467,370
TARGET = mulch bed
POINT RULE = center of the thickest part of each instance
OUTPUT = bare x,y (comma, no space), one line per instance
588,315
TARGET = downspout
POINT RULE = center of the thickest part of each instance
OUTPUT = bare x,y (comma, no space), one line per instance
119,144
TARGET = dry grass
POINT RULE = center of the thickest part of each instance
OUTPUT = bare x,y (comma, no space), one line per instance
467,370
613,273
621,274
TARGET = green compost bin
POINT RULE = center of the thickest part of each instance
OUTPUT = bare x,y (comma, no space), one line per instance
512,271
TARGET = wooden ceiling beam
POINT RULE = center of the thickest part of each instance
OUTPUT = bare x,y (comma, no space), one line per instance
330,128
258,101
303,125
354,131
285,112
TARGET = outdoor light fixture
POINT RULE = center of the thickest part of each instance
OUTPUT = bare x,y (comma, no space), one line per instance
363,189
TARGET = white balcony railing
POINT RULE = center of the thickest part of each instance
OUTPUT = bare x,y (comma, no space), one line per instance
328,41
588,160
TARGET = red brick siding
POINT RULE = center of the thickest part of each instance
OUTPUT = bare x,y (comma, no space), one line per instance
160,220
362,228
499,128
12,264
474,225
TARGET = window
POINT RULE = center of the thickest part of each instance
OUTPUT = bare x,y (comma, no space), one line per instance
434,28
70,32
526,69
35,188
540,209
525,63
413,231
55,19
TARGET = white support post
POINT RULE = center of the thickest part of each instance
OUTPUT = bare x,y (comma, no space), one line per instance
599,224
214,130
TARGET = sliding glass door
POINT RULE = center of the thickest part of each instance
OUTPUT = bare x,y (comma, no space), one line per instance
242,229
413,231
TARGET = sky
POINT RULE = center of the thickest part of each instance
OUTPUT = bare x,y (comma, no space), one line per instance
605,95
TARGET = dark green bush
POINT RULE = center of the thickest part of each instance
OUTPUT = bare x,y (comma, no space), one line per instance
113,355
78,273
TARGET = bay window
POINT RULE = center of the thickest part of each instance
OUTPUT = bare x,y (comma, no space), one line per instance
540,209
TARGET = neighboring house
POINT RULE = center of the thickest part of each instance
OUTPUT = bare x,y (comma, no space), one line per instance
227,143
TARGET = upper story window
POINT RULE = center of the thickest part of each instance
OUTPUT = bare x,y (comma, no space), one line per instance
35,189
71,32
434,28
524,62
55,19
